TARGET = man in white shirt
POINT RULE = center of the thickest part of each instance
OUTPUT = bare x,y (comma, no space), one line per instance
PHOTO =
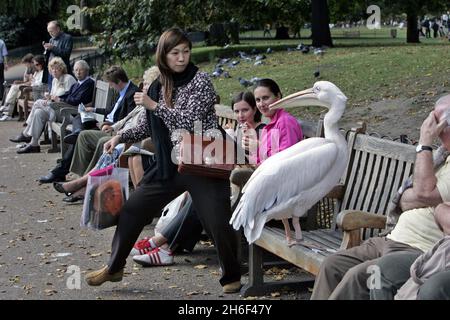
344,275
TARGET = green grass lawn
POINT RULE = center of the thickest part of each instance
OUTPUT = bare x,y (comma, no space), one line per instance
364,74
367,69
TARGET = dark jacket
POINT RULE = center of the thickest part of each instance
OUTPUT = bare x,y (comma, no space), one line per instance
80,93
126,105
63,48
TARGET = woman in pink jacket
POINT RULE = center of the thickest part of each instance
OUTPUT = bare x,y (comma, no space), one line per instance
281,132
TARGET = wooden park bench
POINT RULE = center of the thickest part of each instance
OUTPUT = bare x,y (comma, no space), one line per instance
103,97
26,100
354,211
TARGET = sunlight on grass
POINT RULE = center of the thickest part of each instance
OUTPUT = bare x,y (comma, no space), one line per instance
364,74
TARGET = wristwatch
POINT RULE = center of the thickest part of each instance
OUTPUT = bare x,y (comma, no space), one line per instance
421,148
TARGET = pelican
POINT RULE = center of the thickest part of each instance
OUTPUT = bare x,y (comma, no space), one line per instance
290,182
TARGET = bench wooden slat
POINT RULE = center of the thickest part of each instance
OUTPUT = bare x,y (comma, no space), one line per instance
322,241
359,176
388,185
373,183
334,236
364,193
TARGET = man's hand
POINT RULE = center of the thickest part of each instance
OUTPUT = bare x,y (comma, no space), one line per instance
48,46
107,128
431,129
89,109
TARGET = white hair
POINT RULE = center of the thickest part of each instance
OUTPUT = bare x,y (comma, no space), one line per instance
83,64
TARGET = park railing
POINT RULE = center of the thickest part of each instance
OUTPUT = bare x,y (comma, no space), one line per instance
96,61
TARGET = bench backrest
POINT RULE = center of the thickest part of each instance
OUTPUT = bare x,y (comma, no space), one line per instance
103,94
376,169
225,115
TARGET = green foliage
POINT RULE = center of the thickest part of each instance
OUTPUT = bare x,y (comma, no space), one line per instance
131,28
33,8
10,30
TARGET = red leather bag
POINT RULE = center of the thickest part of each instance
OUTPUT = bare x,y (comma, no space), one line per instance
208,157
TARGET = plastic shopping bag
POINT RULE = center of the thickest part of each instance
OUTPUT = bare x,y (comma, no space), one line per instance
170,211
106,192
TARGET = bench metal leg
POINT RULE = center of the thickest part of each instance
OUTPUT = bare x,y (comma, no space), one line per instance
256,285
255,272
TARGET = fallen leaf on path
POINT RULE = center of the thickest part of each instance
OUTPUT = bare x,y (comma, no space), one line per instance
275,294
95,255
50,292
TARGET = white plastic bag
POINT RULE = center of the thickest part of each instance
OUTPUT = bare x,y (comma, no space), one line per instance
106,192
170,211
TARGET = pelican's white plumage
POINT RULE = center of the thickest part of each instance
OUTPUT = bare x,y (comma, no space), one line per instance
290,182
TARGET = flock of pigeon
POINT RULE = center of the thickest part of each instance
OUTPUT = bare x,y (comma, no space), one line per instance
257,58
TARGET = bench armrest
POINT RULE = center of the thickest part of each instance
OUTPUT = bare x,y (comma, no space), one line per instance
337,192
349,220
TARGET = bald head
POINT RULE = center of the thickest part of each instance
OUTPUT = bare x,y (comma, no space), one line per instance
54,28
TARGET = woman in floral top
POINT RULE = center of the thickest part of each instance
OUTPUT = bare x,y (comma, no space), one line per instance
181,96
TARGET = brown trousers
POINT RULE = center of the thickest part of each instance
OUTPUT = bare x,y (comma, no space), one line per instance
345,274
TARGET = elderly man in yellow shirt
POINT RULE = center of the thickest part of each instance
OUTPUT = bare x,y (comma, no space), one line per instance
345,275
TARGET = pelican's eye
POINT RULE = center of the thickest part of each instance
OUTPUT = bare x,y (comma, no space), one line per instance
316,90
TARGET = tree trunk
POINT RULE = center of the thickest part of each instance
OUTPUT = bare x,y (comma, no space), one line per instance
320,30
412,32
282,33
217,35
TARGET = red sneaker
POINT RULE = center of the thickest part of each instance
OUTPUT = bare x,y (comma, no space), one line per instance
142,247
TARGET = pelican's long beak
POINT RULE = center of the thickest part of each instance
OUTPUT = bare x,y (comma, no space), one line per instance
302,98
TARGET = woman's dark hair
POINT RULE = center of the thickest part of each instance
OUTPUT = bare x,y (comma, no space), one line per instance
28,58
269,83
40,60
169,40
248,97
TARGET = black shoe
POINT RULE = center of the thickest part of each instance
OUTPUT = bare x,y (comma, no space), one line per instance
45,142
29,149
59,187
73,199
21,138
71,138
51,177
